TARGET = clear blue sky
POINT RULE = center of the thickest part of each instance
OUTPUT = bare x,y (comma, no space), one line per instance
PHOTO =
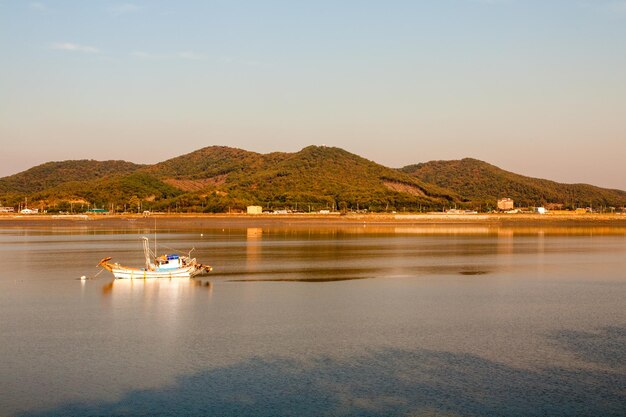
537,87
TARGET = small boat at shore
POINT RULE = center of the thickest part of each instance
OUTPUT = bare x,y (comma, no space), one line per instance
164,266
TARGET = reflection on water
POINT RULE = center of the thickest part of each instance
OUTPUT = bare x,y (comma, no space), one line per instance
299,279
331,229
508,231
254,233
155,287
357,252
412,320
442,230
473,272
254,236
389,382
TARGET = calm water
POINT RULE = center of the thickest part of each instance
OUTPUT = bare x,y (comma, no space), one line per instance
469,321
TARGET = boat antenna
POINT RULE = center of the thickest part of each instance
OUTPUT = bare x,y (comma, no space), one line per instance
156,254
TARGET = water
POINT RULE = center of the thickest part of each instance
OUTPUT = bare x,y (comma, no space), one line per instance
368,321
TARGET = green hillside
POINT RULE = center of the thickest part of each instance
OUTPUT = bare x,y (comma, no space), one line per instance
56,185
315,177
221,179
482,184
213,161
115,189
52,174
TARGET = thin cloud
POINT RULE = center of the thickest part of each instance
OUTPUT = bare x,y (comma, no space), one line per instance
147,55
618,7
38,7
254,64
197,56
192,56
229,60
125,8
75,47
184,55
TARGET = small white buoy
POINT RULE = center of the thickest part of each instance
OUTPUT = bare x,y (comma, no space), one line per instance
83,278
201,234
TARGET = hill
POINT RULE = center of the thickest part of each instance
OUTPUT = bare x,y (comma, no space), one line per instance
52,174
55,185
482,184
315,177
212,162
219,179
117,190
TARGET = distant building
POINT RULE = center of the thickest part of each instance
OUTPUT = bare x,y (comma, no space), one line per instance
7,209
29,211
539,210
505,204
254,209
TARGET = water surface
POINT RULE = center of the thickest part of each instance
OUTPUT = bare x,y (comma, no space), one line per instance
355,320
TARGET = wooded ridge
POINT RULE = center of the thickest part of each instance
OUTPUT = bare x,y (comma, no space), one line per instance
221,179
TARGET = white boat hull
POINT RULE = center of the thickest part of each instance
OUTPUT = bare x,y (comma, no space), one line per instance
123,273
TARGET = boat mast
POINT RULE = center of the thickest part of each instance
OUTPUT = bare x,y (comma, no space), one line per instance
146,252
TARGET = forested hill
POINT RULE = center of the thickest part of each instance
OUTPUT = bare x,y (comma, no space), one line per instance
317,175
52,174
220,179
483,183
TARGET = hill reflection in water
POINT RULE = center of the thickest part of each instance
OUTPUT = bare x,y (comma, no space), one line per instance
389,382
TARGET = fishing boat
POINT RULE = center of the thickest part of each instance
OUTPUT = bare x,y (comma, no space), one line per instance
164,266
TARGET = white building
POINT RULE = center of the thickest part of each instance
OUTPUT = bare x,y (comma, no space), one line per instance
254,209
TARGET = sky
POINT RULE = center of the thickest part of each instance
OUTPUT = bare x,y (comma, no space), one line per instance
537,87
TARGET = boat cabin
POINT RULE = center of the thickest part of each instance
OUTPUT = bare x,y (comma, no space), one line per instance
166,262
